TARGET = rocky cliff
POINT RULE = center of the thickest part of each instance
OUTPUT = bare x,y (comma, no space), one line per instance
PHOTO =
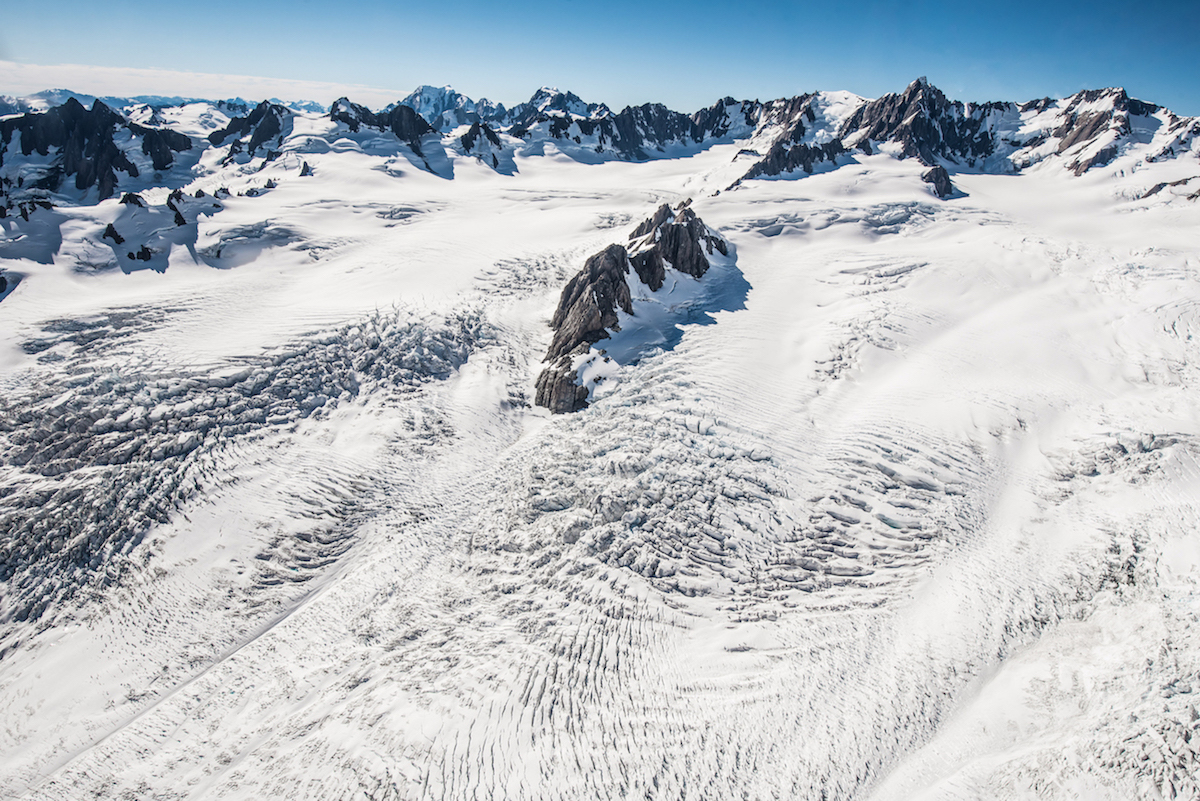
590,305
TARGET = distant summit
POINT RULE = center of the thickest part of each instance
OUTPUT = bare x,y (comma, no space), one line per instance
445,109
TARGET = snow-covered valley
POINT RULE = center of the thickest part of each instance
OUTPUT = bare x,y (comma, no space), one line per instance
904,507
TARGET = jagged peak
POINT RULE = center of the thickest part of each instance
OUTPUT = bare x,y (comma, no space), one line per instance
425,94
551,98
434,91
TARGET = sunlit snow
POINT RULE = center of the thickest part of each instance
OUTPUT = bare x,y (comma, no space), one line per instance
898,501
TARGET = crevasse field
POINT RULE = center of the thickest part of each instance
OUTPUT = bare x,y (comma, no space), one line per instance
906,506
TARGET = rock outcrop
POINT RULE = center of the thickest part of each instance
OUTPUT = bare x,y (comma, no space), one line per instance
586,311
479,130
925,123
794,145
675,238
161,144
445,109
403,121
86,149
588,308
1092,114
940,180
267,122
636,132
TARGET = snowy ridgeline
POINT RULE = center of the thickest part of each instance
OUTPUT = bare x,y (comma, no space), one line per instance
879,480
69,153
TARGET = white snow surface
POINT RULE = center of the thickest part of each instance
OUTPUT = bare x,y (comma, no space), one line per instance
919,519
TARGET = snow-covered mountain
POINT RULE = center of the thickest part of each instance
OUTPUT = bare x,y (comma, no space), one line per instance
819,447
446,109
805,133
48,99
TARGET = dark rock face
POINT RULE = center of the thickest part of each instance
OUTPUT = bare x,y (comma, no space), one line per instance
634,133
1080,127
408,126
623,133
1154,190
110,232
788,152
589,302
161,144
263,124
652,125
926,124
547,103
661,215
173,202
679,239
351,114
557,388
1098,159
587,308
85,143
940,180
479,129
403,121
716,120
786,157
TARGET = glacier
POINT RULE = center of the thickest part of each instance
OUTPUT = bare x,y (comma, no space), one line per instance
896,500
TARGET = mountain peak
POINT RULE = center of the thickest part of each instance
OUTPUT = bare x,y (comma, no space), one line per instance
445,108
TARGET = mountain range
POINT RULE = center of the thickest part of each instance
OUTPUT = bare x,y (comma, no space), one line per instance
805,133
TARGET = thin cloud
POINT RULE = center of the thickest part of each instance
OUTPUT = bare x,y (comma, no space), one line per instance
22,79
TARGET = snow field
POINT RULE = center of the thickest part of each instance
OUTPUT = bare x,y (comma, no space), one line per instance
917,521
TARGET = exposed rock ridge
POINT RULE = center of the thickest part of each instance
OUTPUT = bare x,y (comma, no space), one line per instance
445,109
587,309
806,132
478,130
925,123
85,144
940,180
1082,125
407,125
548,102
264,123
727,116
635,132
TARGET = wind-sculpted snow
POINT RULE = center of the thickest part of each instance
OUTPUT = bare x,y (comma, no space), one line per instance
95,455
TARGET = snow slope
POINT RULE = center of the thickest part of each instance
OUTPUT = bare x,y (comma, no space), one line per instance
914,518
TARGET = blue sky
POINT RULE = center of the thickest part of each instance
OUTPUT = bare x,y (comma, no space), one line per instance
620,52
